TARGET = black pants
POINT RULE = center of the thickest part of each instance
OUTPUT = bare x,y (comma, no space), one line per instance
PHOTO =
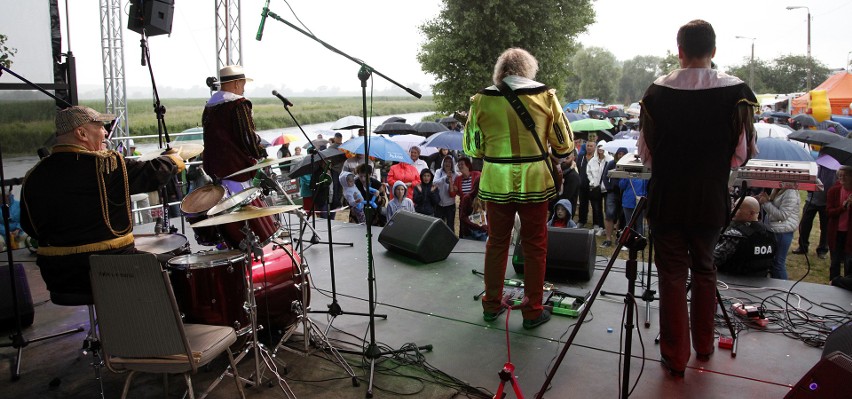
807,223
448,215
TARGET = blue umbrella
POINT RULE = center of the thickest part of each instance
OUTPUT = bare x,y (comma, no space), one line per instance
777,149
574,117
449,139
380,147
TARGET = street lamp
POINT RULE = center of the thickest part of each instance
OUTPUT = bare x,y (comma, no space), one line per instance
847,62
751,63
810,63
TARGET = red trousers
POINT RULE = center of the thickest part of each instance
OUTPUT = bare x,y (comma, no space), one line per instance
501,219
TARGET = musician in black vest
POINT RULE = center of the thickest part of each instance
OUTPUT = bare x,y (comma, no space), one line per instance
746,247
696,126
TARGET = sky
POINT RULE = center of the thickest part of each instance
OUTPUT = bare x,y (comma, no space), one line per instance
385,35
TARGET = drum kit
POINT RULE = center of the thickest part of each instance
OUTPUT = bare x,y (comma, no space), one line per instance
253,264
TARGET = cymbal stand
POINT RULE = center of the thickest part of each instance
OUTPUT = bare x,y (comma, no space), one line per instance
310,330
365,71
261,354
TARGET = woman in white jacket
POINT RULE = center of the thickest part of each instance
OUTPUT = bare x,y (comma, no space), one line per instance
782,218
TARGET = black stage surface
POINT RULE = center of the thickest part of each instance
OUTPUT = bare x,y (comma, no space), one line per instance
433,304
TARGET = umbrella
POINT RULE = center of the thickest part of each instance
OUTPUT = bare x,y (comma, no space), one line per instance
450,139
616,113
285,138
305,166
395,128
776,114
840,150
771,130
394,119
805,120
613,146
597,114
406,141
428,128
380,147
602,134
838,128
627,134
777,149
828,161
318,143
348,123
574,117
590,125
819,137
448,119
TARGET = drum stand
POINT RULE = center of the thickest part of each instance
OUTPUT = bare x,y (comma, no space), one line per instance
253,345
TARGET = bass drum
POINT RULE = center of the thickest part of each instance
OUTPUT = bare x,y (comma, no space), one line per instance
276,287
195,206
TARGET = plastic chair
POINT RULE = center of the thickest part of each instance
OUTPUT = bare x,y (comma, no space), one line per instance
140,325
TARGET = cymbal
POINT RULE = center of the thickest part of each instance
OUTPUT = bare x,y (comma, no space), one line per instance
245,213
184,151
264,163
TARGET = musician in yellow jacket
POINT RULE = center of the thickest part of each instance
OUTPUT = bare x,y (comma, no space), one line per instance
516,176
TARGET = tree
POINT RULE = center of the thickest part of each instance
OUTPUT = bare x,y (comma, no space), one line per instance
763,82
670,63
785,74
6,52
466,38
599,74
636,75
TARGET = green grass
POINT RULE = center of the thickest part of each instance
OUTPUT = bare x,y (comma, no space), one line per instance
26,125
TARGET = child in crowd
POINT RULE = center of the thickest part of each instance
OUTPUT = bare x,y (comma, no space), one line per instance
399,202
562,213
426,197
353,197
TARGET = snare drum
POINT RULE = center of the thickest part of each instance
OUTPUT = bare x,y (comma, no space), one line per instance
165,246
210,288
265,228
195,206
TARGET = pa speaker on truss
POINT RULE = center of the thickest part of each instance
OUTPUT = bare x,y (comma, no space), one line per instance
155,16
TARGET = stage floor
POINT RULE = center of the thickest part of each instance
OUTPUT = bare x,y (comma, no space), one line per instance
433,304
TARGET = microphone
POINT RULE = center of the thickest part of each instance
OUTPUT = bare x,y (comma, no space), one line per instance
263,16
283,99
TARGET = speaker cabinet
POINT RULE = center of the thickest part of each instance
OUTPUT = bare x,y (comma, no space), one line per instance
25,299
570,254
424,238
155,16
829,378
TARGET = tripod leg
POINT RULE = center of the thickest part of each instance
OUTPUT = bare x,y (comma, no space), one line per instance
728,322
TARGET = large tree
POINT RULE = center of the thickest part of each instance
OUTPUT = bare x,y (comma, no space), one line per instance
6,52
785,74
464,40
599,74
637,74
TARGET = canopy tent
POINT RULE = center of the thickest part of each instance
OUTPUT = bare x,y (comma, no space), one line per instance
574,105
838,87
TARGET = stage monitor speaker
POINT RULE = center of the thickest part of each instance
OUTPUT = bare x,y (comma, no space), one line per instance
25,299
829,378
153,15
839,340
418,236
570,254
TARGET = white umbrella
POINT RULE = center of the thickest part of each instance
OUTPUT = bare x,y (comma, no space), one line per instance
614,145
406,141
771,130
348,122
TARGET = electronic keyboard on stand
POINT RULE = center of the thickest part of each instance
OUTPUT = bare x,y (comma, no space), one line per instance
796,175
630,167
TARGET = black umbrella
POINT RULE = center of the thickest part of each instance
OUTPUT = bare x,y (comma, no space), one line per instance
426,129
602,135
616,113
305,166
775,114
840,150
837,127
805,120
596,114
818,137
394,119
448,119
395,128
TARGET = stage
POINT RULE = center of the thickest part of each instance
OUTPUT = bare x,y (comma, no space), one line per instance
433,304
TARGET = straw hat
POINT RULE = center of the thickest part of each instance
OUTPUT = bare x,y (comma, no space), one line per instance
231,73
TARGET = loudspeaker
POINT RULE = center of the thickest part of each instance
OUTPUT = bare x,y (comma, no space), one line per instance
839,340
25,299
829,378
570,254
153,15
418,236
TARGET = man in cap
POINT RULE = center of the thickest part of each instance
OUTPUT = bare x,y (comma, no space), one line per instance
230,141
688,201
76,201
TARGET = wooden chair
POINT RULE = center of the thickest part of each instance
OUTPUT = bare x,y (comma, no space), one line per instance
140,326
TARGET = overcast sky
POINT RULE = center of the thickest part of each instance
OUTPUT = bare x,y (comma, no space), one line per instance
385,34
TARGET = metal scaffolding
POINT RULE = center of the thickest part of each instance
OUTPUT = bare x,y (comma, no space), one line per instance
229,38
112,51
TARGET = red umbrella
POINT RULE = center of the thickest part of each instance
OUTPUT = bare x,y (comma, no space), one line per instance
285,138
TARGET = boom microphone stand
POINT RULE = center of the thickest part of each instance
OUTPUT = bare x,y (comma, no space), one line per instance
372,351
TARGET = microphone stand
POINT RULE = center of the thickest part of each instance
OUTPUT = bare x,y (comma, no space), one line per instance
372,351
162,132
17,339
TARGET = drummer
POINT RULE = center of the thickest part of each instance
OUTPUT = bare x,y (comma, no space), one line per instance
230,141
76,202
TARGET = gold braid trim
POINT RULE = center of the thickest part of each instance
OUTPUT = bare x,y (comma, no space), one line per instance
113,243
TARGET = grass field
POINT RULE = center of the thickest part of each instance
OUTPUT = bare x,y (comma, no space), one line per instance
25,125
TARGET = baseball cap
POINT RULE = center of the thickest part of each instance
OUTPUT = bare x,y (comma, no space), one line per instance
73,117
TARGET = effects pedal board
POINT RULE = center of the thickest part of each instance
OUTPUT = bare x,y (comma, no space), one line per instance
751,313
558,302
